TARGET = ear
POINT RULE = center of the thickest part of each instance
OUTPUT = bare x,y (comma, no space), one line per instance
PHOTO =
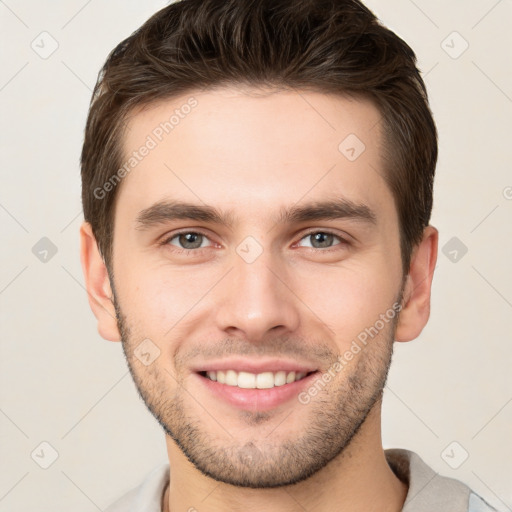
97,283
416,298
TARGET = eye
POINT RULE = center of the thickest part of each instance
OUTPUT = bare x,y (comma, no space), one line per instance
188,240
321,240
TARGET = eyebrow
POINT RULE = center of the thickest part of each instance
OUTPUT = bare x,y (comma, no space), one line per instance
167,211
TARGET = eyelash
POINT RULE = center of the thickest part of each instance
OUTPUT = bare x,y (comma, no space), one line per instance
180,250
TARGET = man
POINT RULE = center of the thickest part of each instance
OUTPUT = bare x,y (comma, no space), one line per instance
257,189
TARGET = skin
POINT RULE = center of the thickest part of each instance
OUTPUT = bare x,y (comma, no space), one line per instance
255,154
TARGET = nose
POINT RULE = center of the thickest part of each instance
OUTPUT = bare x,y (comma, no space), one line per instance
256,299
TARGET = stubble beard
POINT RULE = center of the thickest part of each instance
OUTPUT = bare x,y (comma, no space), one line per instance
333,419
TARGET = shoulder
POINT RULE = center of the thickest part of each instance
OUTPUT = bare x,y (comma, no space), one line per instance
146,497
477,504
428,490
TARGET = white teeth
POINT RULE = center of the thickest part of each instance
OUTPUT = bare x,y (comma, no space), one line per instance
265,380
279,378
290,377
231,378
246,380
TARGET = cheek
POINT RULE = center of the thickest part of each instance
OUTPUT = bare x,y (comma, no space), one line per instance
157,299
351,298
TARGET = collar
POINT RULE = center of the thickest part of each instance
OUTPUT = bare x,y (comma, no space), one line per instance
427,489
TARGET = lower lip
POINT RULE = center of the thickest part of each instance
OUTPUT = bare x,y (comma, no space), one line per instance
257,399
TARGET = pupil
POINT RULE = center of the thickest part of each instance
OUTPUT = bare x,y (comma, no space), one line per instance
322,240
191,240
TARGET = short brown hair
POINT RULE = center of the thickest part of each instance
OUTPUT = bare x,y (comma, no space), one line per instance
330,46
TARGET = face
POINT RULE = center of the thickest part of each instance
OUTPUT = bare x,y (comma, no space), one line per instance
257,277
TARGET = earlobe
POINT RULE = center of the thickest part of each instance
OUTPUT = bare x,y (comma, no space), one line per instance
97,283
416,297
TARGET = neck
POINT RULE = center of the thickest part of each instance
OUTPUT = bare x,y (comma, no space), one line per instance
359,478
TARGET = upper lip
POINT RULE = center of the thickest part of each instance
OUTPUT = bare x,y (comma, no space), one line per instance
255,365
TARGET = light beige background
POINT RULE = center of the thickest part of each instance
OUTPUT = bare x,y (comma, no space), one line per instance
61,384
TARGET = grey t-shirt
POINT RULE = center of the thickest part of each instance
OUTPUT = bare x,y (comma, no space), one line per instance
428,491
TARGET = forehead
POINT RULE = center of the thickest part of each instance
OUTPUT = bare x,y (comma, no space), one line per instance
253,151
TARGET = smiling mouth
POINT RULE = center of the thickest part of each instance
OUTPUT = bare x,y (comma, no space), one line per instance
246,380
